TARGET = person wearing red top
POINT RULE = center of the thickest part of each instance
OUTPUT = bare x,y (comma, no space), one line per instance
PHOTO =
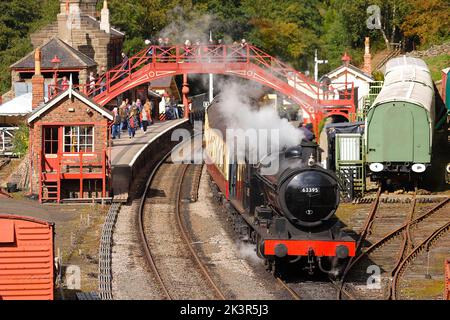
64,83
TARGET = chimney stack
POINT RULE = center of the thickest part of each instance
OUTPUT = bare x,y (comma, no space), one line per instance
104,18
367,57
37,81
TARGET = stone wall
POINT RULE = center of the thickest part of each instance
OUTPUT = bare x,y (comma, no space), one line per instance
433,51
88,39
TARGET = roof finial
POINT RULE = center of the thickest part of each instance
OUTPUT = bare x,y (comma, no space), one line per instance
70,87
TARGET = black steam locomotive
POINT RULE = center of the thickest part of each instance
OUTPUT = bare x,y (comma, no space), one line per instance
290,214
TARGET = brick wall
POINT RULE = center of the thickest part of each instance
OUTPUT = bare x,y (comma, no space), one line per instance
60,115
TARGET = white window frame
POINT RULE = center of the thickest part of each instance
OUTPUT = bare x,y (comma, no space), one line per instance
78,145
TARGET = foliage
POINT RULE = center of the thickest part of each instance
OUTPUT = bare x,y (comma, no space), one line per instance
427,20
436,65
18,18
289,29
21,140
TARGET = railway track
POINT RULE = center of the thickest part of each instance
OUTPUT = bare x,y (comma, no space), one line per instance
395,249
175,264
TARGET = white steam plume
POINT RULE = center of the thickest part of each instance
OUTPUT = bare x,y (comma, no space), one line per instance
239,112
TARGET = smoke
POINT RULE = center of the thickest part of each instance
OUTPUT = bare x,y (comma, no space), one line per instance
237,104
184,27
247,251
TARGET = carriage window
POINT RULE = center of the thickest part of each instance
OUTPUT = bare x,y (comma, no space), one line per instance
51,140
79,139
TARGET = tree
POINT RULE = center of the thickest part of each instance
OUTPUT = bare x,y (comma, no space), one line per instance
427,20
18,18
290,31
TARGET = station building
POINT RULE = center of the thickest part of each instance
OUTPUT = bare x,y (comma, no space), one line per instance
69,144
80,38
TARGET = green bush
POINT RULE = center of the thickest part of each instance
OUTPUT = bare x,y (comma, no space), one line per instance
21,140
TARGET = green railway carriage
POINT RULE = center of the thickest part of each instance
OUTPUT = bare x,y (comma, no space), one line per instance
400,122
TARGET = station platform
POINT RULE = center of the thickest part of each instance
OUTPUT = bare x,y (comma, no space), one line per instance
129,156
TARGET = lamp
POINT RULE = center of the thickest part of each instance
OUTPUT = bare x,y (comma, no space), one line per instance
56,61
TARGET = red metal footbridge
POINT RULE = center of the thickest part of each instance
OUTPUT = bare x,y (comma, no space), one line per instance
247,62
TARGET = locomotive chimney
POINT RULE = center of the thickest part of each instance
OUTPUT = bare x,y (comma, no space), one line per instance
37,81
309,152
367,57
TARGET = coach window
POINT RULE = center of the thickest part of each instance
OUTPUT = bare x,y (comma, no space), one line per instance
78,139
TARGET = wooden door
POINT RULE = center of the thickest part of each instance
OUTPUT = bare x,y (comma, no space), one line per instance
50,148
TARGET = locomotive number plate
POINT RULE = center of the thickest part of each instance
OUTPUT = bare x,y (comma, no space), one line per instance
309,189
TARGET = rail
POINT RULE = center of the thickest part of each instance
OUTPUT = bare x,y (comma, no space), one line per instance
424,245
367,226
189,241
105,254
402,230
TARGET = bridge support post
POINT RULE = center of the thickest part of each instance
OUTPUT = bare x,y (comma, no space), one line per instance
185,92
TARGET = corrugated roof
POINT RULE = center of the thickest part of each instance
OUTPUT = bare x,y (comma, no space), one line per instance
69,56
19,106
26,259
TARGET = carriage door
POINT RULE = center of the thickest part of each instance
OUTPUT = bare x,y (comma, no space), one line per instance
50,148
233,180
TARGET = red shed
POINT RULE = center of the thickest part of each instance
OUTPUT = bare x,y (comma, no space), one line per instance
26,258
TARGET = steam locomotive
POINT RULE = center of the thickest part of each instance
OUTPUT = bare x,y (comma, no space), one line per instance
289,214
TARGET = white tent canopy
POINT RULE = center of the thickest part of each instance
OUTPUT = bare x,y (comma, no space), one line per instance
19,106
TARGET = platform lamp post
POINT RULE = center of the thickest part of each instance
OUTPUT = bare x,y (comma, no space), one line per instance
56,61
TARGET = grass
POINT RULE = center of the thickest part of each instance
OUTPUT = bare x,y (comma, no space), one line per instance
436,64
424,289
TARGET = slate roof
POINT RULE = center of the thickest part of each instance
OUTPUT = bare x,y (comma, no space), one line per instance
350,67
69,56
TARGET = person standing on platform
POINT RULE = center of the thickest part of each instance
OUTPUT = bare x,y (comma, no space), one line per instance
116,124
123,113
146,117
139,110
132,121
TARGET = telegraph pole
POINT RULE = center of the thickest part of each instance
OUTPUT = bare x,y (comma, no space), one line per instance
211,78
316,66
